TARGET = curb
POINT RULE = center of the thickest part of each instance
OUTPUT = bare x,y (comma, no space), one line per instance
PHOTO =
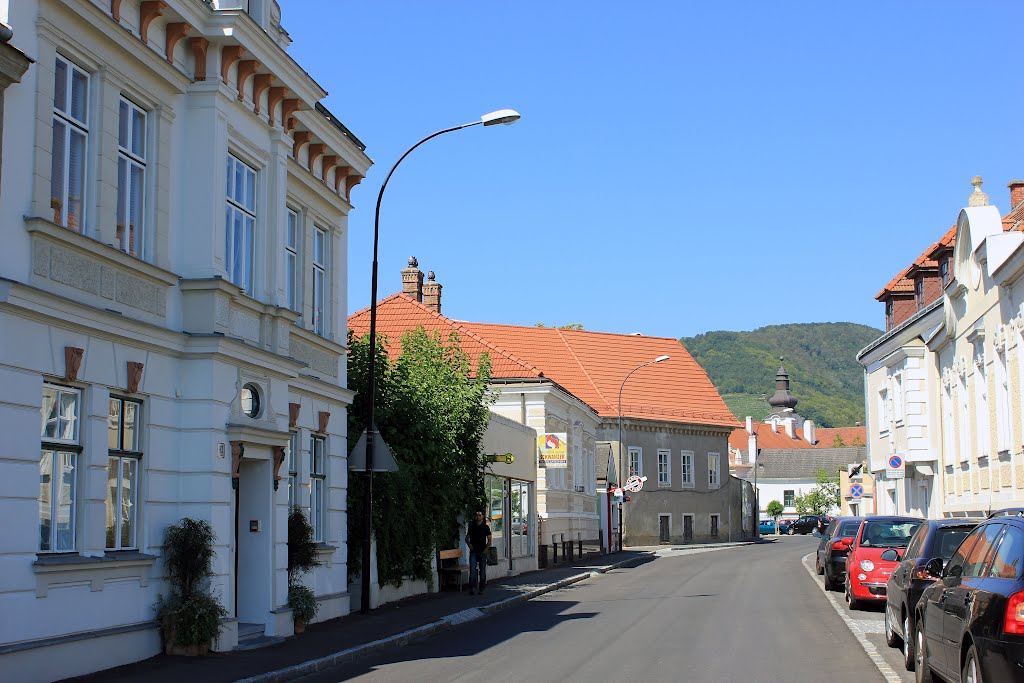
888,673
312,666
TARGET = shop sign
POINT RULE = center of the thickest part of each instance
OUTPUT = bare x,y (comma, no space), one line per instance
554,451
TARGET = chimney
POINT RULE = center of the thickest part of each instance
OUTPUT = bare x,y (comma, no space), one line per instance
789,427
1016,193
432,293
412,280
750,425
752,448
775,425
809,431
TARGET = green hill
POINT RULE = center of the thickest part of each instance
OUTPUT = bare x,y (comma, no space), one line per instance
821,359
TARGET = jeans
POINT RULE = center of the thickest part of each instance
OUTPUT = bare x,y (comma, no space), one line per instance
477,560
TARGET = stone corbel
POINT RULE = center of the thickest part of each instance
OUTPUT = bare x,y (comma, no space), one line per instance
246,68
315,152
293,415
260,83
148,11
301,137
351,182
72,362
237,453
330,161
273,99
134,377
115,10
199,46
278,461
229,54
339,177
289,107
175,32
325,417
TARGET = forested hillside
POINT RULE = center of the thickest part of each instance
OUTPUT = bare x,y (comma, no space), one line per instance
821,359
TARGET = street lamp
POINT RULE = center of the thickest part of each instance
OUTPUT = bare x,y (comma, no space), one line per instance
502,116
621,458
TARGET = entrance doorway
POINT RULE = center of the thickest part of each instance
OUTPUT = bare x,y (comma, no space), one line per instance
664,528
687,527
253,540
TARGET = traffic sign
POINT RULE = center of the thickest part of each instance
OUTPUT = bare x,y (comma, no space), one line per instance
634,484
856,491
896,468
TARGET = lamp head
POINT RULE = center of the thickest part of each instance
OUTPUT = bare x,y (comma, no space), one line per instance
660,358
502,116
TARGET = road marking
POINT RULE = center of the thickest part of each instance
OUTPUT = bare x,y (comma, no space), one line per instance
888,673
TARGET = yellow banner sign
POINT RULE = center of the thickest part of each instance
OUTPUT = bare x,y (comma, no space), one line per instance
554,451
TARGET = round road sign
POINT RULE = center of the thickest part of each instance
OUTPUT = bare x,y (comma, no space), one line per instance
856,491
895,462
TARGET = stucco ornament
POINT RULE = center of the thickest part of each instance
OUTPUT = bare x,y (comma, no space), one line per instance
72,362
977,198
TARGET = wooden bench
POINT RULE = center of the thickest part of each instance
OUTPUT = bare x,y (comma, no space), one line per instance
449,564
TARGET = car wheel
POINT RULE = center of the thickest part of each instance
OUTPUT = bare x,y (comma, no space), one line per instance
923,673
891,639
854,602
791,531
908,644
972,670
818,568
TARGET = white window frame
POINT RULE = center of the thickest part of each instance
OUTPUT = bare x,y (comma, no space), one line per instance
638,452
981,415
292,239
119,454
60,449
318,487
963,418
714,470
131,238
686,469
897,397
714,525
241,207
1004,428
72,125
791,503
883,410
664,468
320,301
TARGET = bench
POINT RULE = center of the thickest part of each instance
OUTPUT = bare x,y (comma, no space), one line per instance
449,564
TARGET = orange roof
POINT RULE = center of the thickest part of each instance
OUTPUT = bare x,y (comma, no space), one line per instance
589,365
824,437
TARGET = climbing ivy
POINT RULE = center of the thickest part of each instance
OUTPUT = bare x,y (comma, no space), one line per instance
432,410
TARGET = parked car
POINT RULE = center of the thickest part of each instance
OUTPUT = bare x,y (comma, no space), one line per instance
806,524
784,525
970,622
832,549
867,573
934,538
767,526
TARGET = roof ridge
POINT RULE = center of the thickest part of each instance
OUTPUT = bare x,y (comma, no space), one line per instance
614,334
582,367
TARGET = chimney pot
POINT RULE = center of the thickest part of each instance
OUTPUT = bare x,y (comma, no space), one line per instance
412,280
1016,193
432,293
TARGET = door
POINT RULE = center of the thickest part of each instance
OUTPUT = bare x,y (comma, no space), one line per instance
961,593
687,527
253,538
664,528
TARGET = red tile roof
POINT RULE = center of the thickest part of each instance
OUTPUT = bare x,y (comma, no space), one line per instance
589,365
824,437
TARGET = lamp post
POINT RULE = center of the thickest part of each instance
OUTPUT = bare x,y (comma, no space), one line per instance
502,116
621,449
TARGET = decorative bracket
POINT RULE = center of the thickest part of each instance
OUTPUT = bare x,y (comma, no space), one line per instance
289,107
246,68
325,417
229,54
315,152
148,11
278,461
260,83
237,453
293,415
351,182
115,10
72,362
199,46
330,161
339,177
175,32
273,99
134,377
301,137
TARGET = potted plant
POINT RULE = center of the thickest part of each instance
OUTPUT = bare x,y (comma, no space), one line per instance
58,209
190,615
302,557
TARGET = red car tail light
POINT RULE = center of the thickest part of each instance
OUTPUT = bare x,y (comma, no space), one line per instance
842,544
1013,622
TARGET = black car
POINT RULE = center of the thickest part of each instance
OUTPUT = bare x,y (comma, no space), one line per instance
806,524
832,551
970,623
934,538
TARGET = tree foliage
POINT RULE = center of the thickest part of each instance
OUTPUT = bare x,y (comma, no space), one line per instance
823,499
820,357
432,411
775,509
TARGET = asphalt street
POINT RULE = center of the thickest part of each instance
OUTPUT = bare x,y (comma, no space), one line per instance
747,614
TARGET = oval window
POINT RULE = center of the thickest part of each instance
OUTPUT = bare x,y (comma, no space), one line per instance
251,400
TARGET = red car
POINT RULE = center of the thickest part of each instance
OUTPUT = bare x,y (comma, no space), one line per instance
866,572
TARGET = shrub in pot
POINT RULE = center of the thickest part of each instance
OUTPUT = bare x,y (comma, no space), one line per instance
302,557
190,615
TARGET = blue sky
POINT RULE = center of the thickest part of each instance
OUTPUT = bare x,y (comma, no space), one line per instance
680,167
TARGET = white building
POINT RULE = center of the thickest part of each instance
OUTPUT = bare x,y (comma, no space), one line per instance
172,312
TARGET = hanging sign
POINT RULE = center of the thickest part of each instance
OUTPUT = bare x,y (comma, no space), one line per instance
895,468
506,458
635,484
554,451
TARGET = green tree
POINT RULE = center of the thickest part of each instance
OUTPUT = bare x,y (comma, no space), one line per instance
775,509
824,497
432,410
838,441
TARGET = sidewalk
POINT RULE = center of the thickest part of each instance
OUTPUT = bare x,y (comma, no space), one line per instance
390,625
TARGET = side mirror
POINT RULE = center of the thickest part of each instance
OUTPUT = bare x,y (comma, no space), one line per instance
891,555
934,567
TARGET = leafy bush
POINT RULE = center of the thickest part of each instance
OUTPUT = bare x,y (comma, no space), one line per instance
302,550
193,620
190,612
303,603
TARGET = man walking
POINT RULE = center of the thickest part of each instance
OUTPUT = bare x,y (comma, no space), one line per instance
479,541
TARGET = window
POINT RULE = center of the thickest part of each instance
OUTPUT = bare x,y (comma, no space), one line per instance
947,419
955,566
964,424
714,480
976,560
240,223
686,468
578,473
250,400
888,314
883,411
317,480
981,405
914,547
714,525
788,497
1003,434
57,468
319,279
70,134
1006,563
664,468
123,458
944,271
131,177
636,463
521,530
919,292
291,260
897,397
293,470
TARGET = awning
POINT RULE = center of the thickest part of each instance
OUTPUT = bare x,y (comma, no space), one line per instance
924,469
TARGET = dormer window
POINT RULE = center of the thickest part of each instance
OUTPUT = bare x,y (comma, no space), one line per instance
888,314
944,271
919,292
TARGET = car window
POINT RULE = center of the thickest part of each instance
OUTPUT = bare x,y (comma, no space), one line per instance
849,529
887,534
1009,557
977,559
946,541
830,531
914,547
956,560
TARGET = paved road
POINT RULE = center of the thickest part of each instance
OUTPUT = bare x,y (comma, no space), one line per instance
749,614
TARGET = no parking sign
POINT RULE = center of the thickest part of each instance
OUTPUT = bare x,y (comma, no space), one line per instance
896,468
856,491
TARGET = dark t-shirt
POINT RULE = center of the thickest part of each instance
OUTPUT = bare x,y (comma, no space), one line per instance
477,536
